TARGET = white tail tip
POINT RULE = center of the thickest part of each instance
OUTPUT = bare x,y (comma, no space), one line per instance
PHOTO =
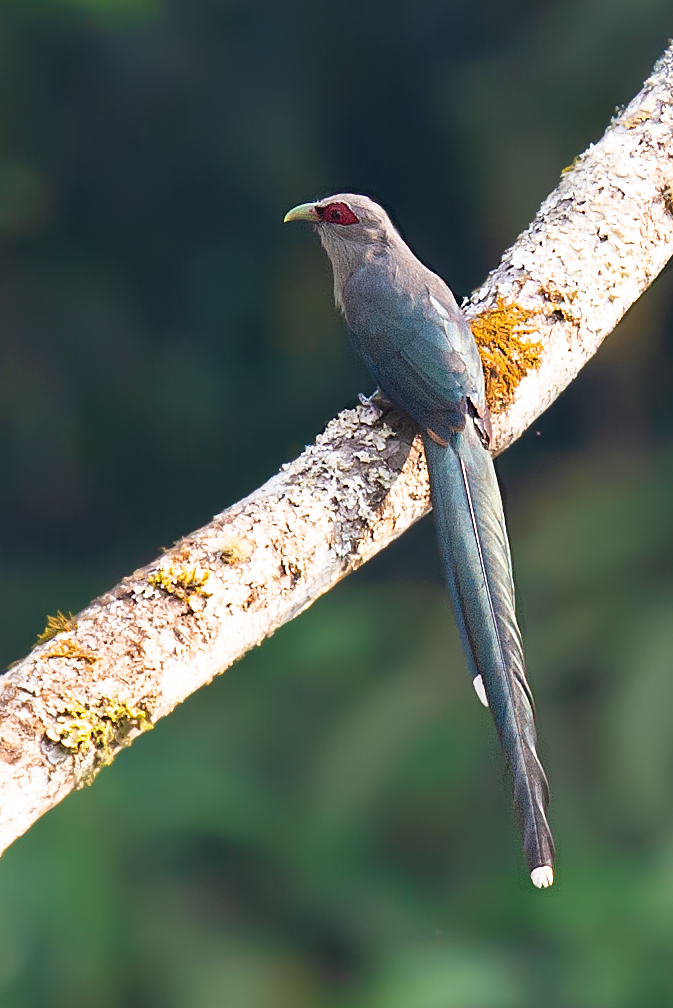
478,684
542,877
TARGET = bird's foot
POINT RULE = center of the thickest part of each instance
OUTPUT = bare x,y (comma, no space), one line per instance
377,402
377,398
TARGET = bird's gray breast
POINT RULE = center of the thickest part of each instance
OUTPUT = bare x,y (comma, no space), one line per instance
379,308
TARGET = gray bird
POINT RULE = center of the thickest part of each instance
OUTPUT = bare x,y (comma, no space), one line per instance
418,347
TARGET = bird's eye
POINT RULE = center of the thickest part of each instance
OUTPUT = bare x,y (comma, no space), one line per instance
337,213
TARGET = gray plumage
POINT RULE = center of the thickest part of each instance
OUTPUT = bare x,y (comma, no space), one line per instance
417,344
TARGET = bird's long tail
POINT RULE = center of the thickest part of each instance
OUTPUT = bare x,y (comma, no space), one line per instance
475,553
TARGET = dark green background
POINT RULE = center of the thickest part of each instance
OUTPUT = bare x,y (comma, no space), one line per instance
329,824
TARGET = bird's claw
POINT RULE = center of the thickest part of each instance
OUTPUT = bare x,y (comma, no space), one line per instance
377,402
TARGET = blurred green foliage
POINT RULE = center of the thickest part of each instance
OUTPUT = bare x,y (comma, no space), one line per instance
329,824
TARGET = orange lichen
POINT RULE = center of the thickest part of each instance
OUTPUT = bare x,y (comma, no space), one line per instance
641,116
506,354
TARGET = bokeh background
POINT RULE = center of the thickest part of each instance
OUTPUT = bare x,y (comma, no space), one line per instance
328,825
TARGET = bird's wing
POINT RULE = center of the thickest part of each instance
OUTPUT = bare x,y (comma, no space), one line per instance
443,351
436,370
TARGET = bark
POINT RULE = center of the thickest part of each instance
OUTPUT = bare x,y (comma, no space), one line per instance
597,242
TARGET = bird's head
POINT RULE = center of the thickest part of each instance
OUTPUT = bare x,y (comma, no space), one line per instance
346,219
352,229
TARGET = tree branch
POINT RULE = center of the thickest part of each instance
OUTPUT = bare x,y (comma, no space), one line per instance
596,244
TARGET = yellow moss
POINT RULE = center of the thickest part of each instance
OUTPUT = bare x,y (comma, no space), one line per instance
69,648
56,624
235,550
106,727
507,356
181,581
575,161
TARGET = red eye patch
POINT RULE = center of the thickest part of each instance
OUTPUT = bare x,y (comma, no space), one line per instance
336,213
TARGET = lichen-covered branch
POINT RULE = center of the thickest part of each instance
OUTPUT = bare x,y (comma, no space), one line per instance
597,242
95,681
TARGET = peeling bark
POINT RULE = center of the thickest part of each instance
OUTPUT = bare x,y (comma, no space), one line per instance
596,244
